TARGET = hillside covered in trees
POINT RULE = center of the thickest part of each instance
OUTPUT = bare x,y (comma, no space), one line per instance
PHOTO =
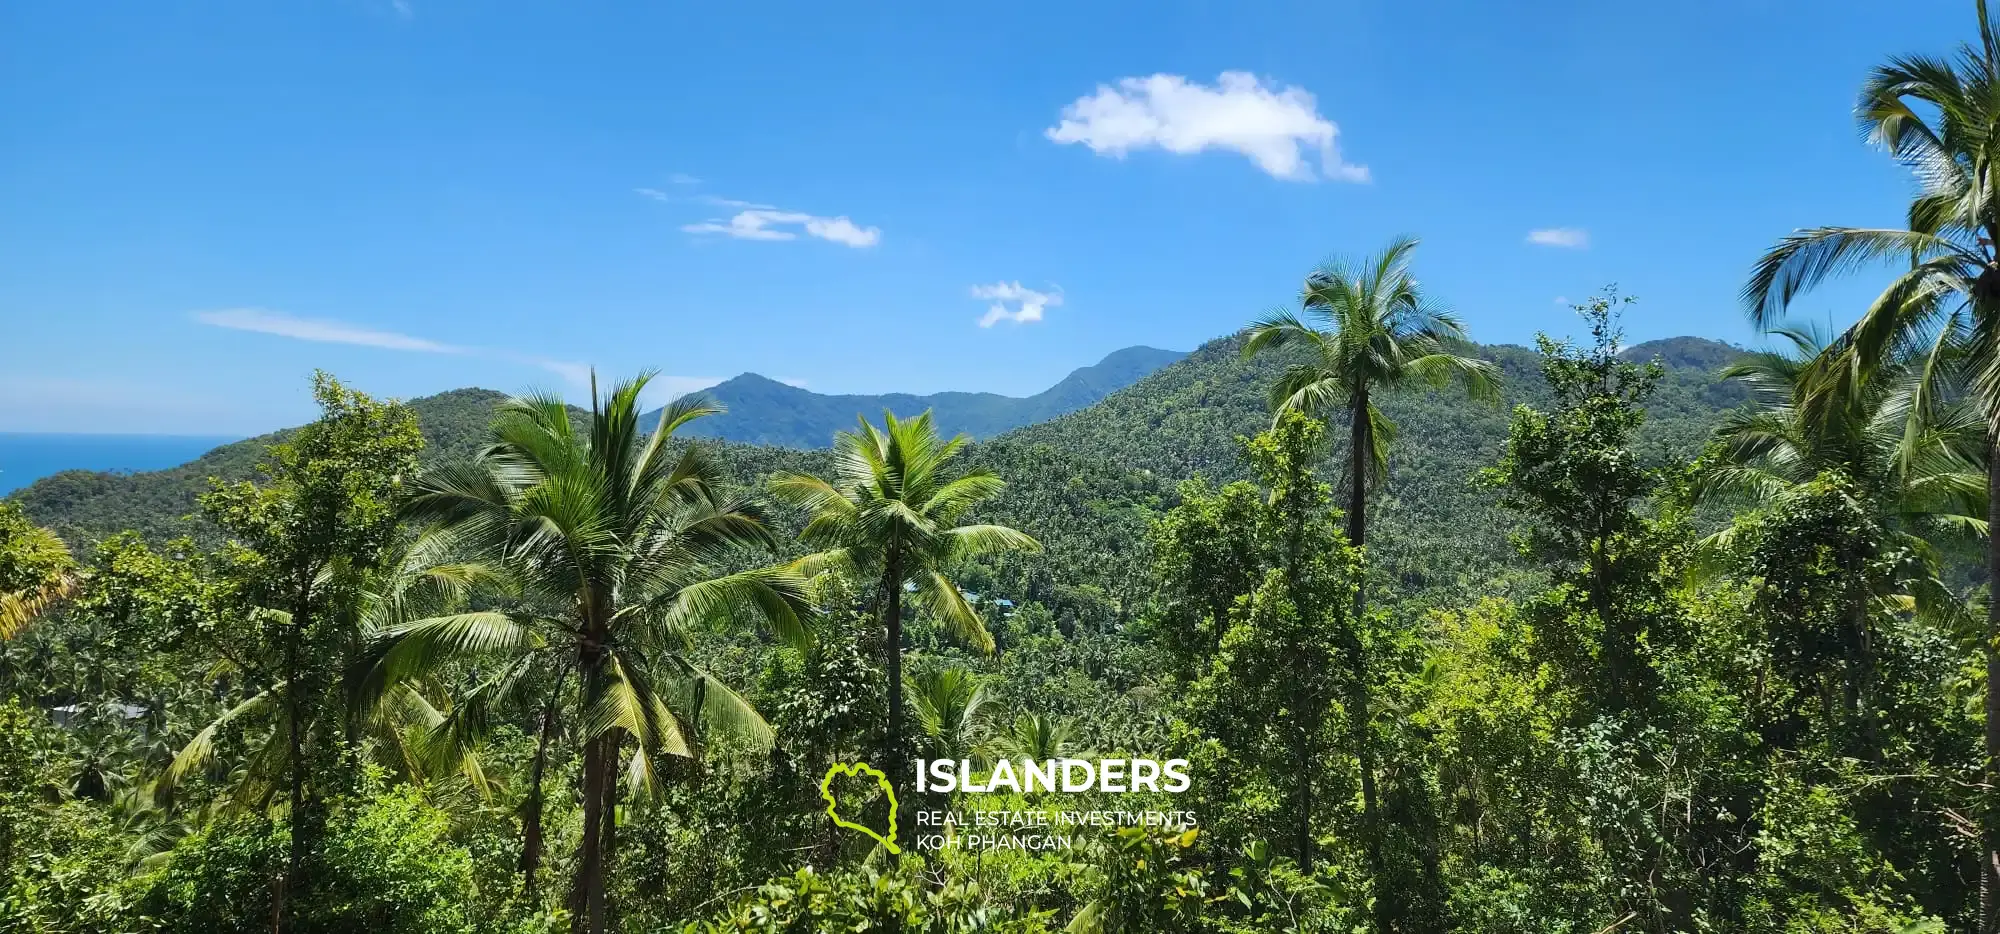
761,410
1349,623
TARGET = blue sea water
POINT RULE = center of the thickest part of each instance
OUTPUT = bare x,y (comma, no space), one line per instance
25,458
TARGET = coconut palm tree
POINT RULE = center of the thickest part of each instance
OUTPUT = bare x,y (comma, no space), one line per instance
952,710
613,548
1940,117
888,518
1035,736
1870,448
1920,459
36,571
1367,329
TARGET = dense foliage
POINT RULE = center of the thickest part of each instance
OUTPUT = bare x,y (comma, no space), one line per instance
1673,638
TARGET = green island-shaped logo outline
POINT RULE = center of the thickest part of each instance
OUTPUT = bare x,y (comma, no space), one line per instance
859,769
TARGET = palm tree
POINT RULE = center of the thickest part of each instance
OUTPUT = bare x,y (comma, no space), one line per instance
1035,736
378,721
1920,458
36,571
888,517
1939,117
612,547
1380,333
952,710
1372,330
1874,444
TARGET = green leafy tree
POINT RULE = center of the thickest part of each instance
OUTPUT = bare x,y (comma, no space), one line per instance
1206,554
615,549
1289,657
889,517
308,534
1854,478
1573,472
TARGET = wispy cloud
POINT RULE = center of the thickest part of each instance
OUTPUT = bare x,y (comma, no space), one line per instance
1569,238
764,223
403,8
654,193
320,330
314,329
1276,127
1014,302
682,178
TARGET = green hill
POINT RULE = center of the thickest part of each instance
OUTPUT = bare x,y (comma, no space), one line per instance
765,411
1085,483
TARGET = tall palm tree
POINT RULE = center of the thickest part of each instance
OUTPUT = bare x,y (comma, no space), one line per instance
888,517
1367,329
1941,118
614,549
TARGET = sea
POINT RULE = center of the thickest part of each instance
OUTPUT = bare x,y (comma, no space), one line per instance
25,457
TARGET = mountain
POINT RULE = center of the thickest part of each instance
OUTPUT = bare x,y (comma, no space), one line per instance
85,504
1086,483
765,411
28,456
1697,353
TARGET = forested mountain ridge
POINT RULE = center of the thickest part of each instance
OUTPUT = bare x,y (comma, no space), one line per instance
1085,483
762,410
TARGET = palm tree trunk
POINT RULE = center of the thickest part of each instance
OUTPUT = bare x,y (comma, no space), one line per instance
587,895
1989,825
892,624
1361,441
610,862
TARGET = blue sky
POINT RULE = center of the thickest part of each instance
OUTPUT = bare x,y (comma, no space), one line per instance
200,203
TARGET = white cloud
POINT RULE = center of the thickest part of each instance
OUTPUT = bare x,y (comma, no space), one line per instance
682,178
1572,238
1276,127
309,329
654,193
1013,302
764,223
403,8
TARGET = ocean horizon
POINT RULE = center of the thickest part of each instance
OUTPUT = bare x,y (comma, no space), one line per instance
29,456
